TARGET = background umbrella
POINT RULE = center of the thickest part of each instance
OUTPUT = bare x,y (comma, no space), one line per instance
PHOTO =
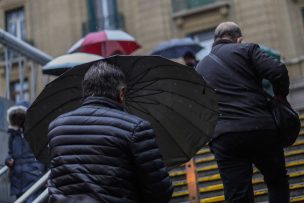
176,48
271,52
106,43
174,98
61,64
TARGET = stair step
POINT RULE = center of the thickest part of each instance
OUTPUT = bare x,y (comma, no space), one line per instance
258,193
217,187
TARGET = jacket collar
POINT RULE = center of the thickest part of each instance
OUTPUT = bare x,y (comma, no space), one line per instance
102,101
14,130
222,41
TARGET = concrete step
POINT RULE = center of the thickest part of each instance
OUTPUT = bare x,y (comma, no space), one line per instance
263,192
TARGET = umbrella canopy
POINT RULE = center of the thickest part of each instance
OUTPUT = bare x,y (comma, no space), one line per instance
106,43
174,98
61,64
176,48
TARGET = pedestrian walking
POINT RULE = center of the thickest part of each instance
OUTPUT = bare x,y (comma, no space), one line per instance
100,153
246,132
25,170
190,59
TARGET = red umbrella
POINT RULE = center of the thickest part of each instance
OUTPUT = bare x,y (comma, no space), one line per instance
106,43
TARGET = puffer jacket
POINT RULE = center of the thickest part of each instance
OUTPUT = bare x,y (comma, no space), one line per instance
102,154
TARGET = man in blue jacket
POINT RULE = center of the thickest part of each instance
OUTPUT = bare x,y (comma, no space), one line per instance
245,133
100,153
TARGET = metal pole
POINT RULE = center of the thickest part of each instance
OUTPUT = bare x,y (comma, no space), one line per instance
34,188
7,73
21,77
42,197
33,81
3,170
46,80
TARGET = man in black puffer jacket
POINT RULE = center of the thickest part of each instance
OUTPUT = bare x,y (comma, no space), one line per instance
99,153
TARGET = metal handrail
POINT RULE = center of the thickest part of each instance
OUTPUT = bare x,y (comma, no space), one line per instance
24,48
3,170
42,196
34,188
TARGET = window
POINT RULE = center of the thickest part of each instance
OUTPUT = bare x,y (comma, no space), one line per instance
19,93
15,23
103,15
180,5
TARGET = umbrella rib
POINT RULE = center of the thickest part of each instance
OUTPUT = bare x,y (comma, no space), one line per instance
164,91
160,79
168,133
156,92
143,74
181,115
61,90
69,101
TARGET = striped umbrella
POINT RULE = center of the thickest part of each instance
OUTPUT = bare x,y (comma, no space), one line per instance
106,43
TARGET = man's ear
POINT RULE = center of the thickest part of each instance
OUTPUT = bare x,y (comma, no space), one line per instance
239,40
121,95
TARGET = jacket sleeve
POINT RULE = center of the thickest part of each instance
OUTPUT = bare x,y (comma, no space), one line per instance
154,180
270,69
10,150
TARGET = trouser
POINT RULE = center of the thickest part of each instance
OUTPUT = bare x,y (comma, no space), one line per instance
236,152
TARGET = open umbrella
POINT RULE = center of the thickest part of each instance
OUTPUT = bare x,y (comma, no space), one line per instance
62,63
176,48
106,43
174,98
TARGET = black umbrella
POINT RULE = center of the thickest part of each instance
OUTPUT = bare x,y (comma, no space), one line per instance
174,98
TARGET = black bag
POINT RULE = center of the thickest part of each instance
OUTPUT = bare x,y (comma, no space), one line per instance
286,119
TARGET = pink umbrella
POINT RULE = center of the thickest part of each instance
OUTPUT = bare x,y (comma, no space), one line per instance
106,43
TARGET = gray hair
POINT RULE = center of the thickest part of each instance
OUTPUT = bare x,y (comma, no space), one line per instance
227,29
103,79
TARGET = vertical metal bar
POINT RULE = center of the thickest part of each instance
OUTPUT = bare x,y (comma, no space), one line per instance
46,79
191,174
21,76
105,12
33,80
7,73
33,188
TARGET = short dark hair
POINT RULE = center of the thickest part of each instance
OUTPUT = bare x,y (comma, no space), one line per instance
227,29
103,79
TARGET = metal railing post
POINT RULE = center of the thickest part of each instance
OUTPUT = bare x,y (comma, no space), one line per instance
194,195
42,196
21,77
3,170
7,73
34,188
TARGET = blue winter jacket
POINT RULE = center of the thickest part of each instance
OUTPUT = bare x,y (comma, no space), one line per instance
26,169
